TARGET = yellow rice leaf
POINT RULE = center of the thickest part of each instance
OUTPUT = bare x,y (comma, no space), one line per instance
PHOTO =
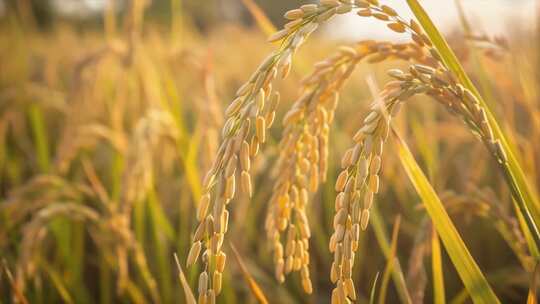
188,294
253,286
437,268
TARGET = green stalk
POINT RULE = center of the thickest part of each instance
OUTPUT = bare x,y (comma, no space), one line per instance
40,137
437,268
161,227
116,176
392,260
382,238
105,282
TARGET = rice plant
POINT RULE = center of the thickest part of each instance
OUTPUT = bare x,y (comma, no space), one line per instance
127,176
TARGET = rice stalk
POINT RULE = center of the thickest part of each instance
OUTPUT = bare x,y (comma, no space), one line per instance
392,261
373,289
437,269
417,277
404,290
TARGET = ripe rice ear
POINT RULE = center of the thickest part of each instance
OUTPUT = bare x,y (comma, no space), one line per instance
527,203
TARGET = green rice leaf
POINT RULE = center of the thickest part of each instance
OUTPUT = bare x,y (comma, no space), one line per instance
398,277
392,260
469,272
373,289
438,273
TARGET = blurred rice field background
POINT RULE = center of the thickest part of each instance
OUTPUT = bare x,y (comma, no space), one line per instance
110,117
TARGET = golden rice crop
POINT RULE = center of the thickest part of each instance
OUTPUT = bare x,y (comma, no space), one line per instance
117,152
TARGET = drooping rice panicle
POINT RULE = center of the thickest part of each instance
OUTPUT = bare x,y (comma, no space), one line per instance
442,84
248,117
356,186
302,163
361,181
250,114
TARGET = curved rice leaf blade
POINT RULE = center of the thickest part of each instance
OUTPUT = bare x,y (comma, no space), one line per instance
397,272
469,272
188,294
526,199
373,289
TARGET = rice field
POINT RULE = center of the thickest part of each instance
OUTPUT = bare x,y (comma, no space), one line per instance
161,160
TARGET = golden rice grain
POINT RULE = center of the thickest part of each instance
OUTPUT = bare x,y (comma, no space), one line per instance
202,208
388,10
330,3
326,15
374,183
217,279
307,286
261,129
203,298
364,12
203,282
246,183
349,288
275,37
309,8
193,253
211,296
220,261
234,107
396,27
229,187
341,180
294,14
364,219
